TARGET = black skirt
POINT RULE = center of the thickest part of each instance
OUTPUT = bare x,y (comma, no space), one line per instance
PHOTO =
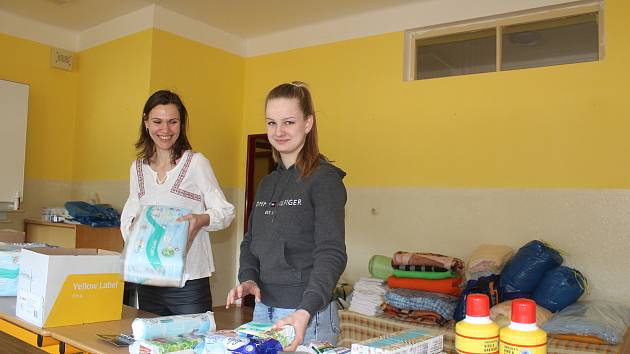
194,297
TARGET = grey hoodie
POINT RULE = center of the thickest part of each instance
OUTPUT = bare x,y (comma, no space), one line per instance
295,248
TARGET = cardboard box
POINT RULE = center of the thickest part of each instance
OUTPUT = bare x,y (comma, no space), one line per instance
411,341
66,286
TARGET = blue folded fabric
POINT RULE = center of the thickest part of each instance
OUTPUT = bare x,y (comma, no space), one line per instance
97,215
602,319
407,299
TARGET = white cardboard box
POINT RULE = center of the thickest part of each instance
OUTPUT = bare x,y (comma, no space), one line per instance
65,286
411,341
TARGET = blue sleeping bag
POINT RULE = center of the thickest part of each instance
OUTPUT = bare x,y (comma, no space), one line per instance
526,268
559,288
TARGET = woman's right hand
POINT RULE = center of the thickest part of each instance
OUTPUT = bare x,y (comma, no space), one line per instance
241,290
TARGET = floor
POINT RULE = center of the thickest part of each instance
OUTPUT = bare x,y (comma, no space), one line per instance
232,318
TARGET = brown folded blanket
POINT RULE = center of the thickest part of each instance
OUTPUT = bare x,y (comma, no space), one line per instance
401,258
418,316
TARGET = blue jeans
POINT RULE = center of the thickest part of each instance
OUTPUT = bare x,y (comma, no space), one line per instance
324,326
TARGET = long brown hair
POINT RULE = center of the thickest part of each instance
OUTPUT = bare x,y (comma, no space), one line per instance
308,157
145,147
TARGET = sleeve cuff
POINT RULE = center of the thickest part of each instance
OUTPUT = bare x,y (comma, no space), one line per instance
311,303
248,275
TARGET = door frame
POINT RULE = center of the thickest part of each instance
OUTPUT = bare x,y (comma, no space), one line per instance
249,175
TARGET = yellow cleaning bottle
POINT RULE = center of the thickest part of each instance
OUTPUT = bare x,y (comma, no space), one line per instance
477,334
523,336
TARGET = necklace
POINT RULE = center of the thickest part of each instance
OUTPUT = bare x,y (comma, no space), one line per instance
159,180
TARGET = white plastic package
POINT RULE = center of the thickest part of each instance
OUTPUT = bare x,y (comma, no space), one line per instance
155,251
172,326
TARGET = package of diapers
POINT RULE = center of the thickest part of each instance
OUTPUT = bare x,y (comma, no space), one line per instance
10,265
155,251
182,344
171,326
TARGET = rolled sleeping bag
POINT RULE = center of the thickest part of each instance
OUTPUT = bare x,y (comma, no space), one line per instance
380,267
559,288
527,267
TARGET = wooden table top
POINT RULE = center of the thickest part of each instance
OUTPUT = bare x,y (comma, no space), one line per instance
84,336
7,313
10,344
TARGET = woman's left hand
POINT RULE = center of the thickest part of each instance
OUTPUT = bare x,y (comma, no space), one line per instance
299,320
195,223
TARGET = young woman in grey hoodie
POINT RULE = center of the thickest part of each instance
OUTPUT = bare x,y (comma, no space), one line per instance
294,251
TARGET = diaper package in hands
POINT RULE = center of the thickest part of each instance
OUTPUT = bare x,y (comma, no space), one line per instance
284,335
231,343
155,251
171,326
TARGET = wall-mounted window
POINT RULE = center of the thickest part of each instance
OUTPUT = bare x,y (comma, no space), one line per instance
549,36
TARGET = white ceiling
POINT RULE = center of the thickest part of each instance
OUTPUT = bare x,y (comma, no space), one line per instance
244,18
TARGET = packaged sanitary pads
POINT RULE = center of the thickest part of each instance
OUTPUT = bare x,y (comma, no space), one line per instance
284,335
220,343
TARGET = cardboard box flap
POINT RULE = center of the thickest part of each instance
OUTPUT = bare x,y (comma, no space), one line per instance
73,251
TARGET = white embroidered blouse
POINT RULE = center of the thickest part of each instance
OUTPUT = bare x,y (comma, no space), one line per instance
191,184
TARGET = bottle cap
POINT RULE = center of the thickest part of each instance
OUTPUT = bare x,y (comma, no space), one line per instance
523,311
477,305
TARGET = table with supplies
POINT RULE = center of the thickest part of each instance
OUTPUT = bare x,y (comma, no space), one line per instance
65,339
355,327
84,337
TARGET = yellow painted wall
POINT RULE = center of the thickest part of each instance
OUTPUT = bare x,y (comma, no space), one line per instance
52,103
210,81
113,86
560,126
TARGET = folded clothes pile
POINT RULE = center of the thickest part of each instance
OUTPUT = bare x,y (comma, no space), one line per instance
423,287
368,296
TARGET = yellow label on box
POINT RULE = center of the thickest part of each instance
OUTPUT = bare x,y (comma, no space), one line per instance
86,298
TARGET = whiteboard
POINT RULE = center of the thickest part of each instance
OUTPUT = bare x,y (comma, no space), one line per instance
13,116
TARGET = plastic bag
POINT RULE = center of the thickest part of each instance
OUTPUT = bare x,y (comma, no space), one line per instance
524,271
559,288
97,215
602,319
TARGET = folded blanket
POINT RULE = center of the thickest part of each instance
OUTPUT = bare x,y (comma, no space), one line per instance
421,268
448,286
401,258
488,258
424,275
406,299
417,316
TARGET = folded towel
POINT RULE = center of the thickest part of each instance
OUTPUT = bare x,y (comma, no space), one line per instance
444,286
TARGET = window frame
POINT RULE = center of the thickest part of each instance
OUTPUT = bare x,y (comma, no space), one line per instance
497,23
